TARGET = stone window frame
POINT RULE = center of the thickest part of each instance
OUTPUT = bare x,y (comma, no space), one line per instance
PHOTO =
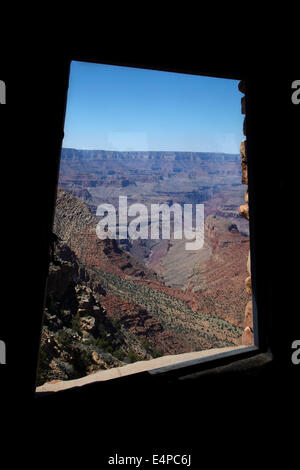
249,350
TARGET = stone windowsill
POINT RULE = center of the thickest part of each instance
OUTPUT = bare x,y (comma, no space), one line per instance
156,365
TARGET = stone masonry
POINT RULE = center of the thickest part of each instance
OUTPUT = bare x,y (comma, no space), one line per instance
247,336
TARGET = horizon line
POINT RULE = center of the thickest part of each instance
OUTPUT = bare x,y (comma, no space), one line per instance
146,151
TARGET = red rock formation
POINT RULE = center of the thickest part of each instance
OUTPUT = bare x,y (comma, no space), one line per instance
218,285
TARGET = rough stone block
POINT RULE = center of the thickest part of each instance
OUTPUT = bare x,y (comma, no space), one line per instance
249,263
243,150
243,105
244,211
248,321
248,285
242,86
244,173
247,337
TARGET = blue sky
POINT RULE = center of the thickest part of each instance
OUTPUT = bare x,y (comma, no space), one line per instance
125,108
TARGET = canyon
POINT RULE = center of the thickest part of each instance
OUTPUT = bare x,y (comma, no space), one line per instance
129,300
214,179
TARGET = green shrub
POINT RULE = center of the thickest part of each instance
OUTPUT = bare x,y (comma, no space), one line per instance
43,368
145,343
133,357
64,338
119,354
156,353
76,323
102,344
81,361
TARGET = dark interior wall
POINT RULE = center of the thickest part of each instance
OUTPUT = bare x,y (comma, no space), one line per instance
34,123
37,90
273,144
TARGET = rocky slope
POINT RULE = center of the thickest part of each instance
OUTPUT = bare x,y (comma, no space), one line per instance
219,282
86,328
77,336
104,308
